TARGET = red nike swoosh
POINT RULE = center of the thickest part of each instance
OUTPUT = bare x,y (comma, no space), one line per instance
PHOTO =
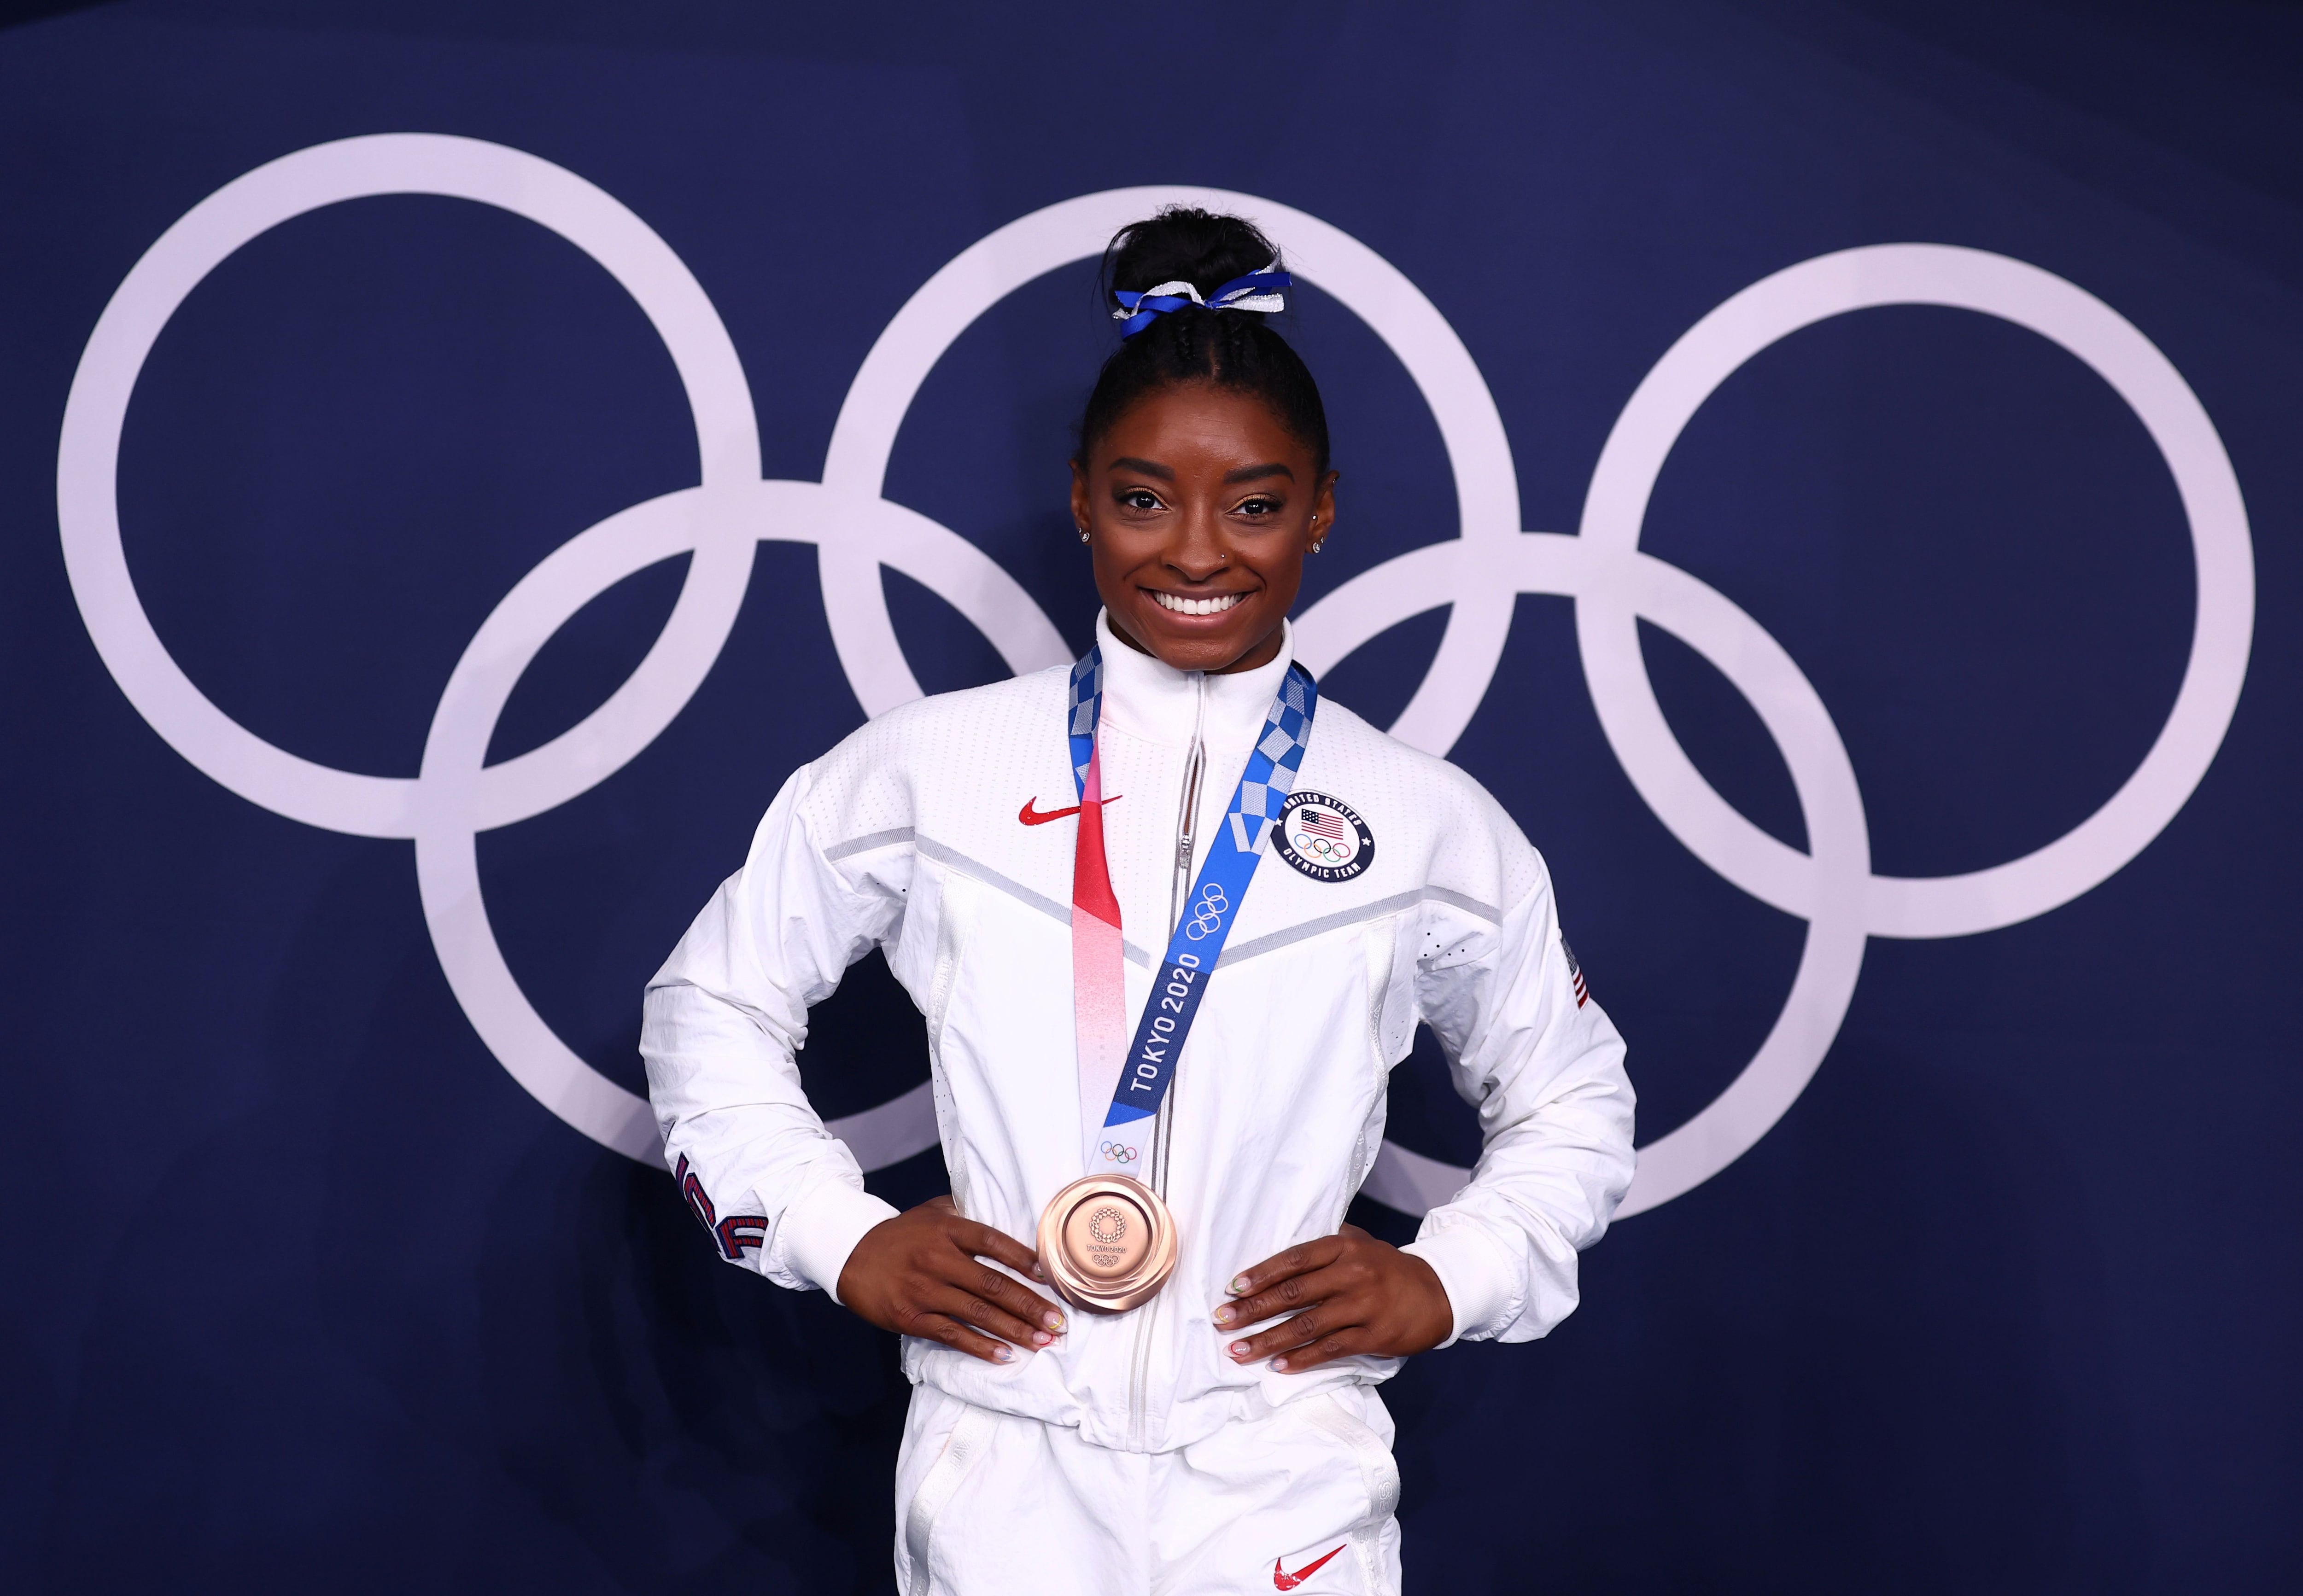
1288,1582
1032,816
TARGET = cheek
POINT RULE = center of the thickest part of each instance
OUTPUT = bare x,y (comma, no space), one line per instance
1281,579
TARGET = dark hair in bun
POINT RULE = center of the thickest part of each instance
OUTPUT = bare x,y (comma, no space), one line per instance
1232,349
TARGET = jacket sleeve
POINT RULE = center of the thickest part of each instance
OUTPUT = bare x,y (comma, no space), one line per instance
1544,1068
723,1018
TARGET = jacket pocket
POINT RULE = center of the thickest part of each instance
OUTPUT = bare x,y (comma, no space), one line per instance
1334,1412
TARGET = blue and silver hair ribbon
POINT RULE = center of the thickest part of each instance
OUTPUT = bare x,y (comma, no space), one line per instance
1258,291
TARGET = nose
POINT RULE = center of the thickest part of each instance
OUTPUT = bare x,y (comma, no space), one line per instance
1198,552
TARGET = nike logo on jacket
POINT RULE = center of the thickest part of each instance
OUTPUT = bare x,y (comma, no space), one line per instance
1032,816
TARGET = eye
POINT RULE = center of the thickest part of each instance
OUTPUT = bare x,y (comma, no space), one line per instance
1258,508
1139,499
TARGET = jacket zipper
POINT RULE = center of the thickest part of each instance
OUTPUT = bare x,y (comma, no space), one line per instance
1187,820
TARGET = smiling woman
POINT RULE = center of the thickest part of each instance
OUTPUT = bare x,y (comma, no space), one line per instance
1181,1130
1201,478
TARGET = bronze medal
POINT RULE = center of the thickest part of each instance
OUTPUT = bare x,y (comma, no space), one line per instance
1108,1243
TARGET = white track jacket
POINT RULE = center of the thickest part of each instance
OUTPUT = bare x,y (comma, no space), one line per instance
916,835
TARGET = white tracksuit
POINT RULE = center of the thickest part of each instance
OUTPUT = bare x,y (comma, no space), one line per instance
1133,1456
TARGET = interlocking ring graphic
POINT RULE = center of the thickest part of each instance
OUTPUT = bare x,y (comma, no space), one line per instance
1208,911
1108,1225
1477,576
1119,1153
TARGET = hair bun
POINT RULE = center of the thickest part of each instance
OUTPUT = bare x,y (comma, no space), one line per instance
1185,244
1235,349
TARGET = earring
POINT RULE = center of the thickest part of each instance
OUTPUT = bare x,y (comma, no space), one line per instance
1083,532
1318,546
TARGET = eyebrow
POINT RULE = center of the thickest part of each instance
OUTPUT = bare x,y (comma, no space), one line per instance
1166,474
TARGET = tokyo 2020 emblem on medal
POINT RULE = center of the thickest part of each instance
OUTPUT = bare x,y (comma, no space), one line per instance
1106,1243
1324,837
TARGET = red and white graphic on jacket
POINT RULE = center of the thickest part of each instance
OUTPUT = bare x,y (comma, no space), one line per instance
1099,995
1576,973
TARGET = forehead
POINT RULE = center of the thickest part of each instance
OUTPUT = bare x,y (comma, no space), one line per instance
1187,425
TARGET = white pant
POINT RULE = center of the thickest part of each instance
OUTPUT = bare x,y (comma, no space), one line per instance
992,1504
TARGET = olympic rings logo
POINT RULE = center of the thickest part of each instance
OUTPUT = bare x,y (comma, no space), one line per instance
1478,576
1119,1153
1327,850
1208,913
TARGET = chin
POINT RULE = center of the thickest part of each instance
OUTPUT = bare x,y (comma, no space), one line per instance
1190,643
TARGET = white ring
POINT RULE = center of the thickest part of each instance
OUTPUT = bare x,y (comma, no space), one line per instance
1486,485
87,461
2222,625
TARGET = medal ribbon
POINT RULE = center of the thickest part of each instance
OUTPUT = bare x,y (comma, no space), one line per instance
1137,1079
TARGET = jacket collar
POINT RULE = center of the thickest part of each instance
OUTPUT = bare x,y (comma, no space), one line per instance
1149,699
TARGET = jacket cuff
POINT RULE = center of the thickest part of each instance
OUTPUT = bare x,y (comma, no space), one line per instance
822,1228
1480,1280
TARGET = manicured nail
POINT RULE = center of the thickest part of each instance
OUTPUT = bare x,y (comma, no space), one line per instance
1052,1319
1239,1285
1237,1348
1227,1314
1038,1274
1041,1338
1004,1353
1280,1365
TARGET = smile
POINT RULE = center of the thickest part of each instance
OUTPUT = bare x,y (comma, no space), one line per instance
1215,605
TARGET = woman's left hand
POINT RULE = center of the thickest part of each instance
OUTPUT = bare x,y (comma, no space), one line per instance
1350,1295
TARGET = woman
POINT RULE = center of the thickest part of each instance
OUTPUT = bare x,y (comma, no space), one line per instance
1144,1346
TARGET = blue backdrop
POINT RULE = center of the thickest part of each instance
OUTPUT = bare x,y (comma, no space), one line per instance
304,1290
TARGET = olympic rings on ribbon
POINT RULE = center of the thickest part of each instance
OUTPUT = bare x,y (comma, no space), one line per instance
1208,913
1119,1153
1477,576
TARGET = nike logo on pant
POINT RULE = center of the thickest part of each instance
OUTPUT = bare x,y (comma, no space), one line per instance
1288,1582
1032,816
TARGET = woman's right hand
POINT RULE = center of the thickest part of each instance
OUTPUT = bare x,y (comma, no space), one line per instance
922,1274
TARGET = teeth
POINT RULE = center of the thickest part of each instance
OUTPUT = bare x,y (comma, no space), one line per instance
1215,605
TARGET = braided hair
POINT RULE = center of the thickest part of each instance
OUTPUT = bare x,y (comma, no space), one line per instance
1235,349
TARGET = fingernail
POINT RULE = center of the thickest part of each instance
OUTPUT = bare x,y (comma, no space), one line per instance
1004,1353
1038,1274
1279,1363
1041,1338
1237,1348
1239,1285
1225,1315
1052,1319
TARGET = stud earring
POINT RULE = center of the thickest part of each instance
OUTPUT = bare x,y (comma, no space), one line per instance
1083,532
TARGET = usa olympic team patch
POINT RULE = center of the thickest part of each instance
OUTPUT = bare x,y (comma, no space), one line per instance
1324,837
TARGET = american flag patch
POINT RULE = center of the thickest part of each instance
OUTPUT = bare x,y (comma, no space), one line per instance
1575,974
1321,824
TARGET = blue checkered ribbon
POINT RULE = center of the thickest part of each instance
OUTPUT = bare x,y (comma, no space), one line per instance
1224,878
1258,291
